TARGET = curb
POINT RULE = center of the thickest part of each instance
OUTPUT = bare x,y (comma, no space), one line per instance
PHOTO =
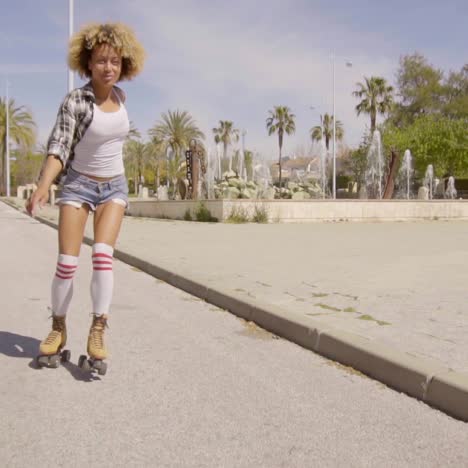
424,379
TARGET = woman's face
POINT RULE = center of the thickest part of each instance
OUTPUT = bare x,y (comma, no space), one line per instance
105,65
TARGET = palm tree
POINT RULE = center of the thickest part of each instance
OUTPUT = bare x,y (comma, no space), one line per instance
280,121
155,157
177,170
175,130
325,130
227,134
376,98
22,132
133,133
135,159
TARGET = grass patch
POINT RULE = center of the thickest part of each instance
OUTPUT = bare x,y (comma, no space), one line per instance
187,215
346,295
327,307
238,215
203,214
260,214
350,309
319,295
263,284
372,319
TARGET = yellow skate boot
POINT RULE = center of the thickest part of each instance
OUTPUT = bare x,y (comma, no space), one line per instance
50,350
96,348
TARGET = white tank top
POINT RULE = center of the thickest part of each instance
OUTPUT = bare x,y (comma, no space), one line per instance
99,152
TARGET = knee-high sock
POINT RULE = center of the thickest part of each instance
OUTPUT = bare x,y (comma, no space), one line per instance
62,284
102,282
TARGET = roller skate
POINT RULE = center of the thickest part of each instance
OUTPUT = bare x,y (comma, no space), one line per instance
96,349
50,350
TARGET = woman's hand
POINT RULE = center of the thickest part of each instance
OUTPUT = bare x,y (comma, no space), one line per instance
38,198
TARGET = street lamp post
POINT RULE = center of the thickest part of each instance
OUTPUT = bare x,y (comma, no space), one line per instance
349,65
70,33
334,132
7,141
322,156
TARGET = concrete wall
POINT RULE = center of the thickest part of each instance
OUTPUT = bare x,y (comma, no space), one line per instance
311,210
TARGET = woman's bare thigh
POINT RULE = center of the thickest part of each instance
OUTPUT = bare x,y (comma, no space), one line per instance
72,222
107,222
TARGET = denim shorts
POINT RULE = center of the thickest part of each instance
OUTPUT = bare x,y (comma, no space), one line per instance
78,189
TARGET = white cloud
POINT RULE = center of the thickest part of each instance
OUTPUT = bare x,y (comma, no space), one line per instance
220,69
235,61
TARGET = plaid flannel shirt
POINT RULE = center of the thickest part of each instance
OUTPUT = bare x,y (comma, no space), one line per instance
73,119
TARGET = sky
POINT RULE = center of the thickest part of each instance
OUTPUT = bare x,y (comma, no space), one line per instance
234,60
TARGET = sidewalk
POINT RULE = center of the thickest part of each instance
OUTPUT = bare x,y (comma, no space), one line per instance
388,299
188,384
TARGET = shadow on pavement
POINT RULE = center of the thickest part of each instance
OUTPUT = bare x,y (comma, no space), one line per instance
78,374
19,346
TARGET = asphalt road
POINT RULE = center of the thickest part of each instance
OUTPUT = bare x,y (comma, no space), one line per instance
188,384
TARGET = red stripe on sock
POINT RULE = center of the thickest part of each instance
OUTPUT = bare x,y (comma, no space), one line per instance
63,277
102,262
65,272
102,269
101,255
66,266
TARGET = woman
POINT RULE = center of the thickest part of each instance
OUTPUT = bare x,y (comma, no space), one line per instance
85,151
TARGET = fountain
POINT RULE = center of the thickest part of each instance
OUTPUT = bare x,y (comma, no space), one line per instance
249,187
405,176
375,165
211,166
451,191
323,153
429,180
162,193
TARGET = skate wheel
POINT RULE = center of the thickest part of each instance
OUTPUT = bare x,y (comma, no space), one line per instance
97,365
42,361
81,361
84,364
65,355
54,361
102,368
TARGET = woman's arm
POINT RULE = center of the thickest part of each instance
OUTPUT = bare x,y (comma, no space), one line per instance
52,169
58,150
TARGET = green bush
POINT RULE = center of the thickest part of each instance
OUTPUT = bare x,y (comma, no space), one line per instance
260,214
203,214
238,215
187,215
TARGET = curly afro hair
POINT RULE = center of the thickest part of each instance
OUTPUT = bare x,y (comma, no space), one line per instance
117,35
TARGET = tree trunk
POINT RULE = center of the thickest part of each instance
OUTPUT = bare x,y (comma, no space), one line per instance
280,138
156,178
390,183
2,170
373,119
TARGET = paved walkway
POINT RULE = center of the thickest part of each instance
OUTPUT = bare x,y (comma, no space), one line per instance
402,284
188,385
398,289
